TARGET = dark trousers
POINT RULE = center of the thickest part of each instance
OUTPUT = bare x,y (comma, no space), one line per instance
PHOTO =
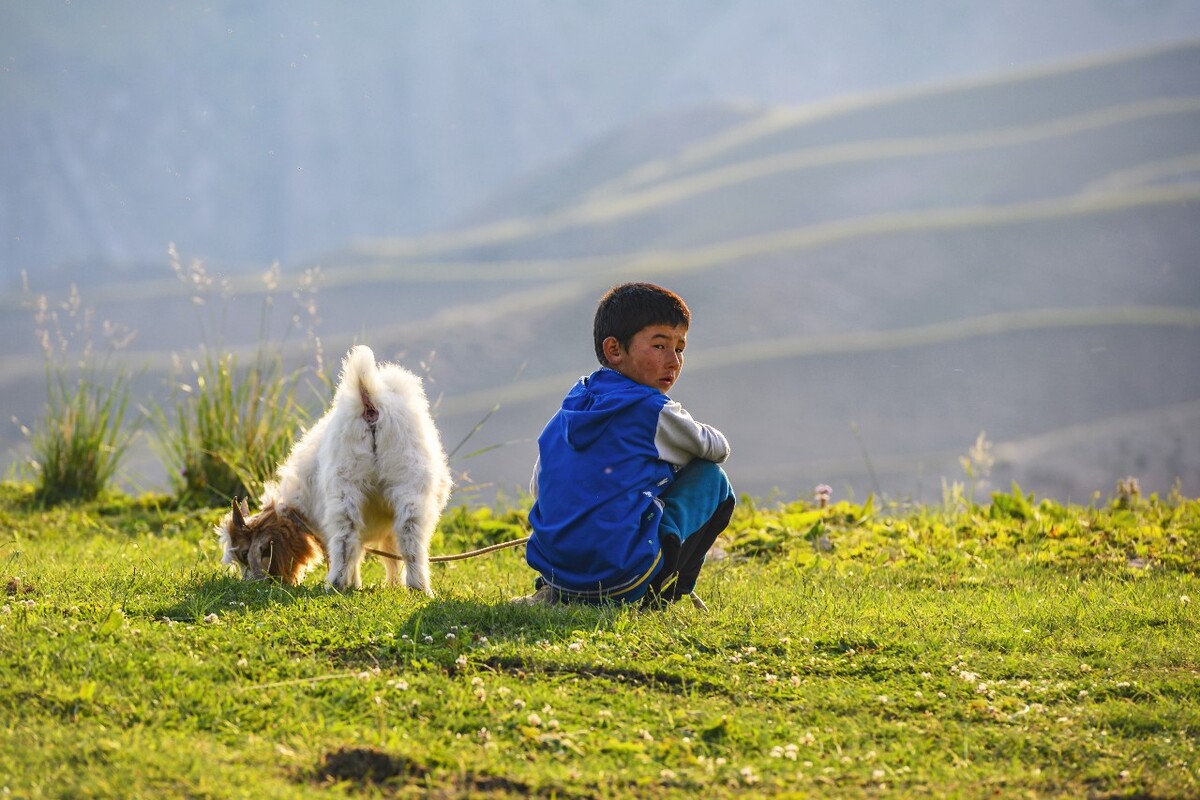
682,562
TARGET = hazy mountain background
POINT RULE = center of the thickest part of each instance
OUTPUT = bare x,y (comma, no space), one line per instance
897,225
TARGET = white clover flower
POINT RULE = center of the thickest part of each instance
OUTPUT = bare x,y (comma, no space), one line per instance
428,639
212,619
575,647
450,637
534,719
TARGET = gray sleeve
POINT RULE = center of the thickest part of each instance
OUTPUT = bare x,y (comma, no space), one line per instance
680,439
533,482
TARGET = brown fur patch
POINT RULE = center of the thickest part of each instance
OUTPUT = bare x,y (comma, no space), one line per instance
287,537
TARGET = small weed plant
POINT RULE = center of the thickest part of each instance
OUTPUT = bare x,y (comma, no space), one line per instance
81,438
230,425
230,428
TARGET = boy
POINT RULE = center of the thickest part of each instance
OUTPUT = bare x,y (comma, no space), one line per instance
628,496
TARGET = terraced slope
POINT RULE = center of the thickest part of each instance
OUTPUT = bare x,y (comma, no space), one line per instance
874,280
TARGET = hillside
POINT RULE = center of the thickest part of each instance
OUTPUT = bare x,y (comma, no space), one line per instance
247,132
874,281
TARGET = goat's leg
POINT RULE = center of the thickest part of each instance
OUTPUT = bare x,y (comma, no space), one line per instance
342,523
393,568
413,529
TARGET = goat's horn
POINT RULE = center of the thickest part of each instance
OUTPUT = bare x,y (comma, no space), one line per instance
239,518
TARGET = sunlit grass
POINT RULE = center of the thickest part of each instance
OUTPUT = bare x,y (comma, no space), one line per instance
229,428
81,438
230,425
133,664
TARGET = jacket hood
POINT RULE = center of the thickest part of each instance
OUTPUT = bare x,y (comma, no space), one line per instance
589,408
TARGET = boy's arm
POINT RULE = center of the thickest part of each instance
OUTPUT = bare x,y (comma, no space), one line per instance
679,438
533,482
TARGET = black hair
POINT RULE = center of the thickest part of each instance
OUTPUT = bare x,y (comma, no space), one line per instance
626,309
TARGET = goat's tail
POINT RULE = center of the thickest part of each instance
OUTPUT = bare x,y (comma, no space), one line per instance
360,381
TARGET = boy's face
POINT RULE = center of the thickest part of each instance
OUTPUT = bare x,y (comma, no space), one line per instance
654,356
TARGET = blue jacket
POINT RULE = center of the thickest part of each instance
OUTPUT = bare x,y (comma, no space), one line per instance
603,460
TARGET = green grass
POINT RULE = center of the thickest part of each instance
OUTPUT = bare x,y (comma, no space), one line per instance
231,429
79,443
928,653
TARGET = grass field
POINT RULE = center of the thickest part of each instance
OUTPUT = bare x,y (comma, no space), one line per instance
1012,649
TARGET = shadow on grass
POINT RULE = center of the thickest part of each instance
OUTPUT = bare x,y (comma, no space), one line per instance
411,617
227,594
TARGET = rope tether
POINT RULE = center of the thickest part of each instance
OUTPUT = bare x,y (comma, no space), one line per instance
457,556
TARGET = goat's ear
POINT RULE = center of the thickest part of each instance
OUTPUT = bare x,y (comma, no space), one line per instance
239,514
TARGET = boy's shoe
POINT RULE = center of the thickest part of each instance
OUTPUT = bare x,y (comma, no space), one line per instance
545,596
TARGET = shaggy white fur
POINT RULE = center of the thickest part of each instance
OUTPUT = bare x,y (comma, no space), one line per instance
371,471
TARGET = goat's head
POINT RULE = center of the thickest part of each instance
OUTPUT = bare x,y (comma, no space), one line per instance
270,544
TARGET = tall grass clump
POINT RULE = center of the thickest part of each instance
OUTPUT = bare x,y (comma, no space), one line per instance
230,424
79,442
230,427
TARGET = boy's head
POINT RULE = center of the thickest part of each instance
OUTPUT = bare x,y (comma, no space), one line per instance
640,330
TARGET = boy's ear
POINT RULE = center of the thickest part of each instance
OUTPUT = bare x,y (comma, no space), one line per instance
612,350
